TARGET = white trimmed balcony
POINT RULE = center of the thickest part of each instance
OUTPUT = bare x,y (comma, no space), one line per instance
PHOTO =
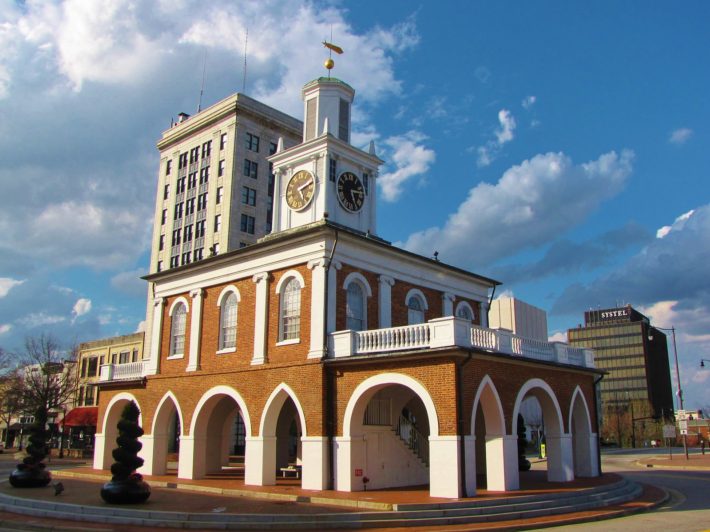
454,332
122,372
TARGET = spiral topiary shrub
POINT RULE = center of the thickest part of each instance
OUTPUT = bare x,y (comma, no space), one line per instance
127,486
32,472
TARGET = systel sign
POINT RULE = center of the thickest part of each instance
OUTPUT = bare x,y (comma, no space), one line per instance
614,314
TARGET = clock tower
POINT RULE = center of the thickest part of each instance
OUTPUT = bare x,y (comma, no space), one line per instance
325,176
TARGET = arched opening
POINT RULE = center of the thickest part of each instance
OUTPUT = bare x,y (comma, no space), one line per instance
488,460
282,431
387,437
165,435
558,445
213,438
584,441
105,442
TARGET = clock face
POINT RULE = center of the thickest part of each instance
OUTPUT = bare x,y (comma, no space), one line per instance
300,189
351,193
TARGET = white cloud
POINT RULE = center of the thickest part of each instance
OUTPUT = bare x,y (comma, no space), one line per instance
504,134
528,102
532,203
141,326
677,225
7,284
5,327
411,160
680,136
38,319
81,307
507,125
560,336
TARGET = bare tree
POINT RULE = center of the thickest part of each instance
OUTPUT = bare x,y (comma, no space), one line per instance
48,376
10,401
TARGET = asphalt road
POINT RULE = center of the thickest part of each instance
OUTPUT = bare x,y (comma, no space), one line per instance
688,509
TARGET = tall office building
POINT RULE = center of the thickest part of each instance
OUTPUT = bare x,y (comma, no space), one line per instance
215,185
635,355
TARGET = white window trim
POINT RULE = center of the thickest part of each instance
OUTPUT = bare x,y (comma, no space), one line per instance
355,277
182,300
285,278
464,304
231,289
416,292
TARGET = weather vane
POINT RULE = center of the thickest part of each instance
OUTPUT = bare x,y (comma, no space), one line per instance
329,63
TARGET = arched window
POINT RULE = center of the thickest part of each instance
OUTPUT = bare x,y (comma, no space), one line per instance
416,310
228,322
464,311
177,330
355,308
290,312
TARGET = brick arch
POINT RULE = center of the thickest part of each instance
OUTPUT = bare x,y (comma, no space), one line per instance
217,391
488,396
548,401
272,409
159,411
574,411
367,388
110,414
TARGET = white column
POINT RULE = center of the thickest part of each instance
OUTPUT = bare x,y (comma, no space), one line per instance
332,294
314,453
317,267
447,303
469,449
560,464
148,455
502,463
349,455
153,366
189,465
261,317
193,363
385,303
100,454
260,461
276,215
444,467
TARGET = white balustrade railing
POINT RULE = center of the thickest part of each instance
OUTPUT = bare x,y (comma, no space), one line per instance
121,372
392,339
454,332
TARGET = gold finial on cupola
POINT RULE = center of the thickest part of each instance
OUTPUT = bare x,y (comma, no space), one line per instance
329,63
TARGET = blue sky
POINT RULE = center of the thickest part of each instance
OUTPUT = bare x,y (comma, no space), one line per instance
560,147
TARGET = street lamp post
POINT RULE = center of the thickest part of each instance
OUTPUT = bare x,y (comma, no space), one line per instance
677,376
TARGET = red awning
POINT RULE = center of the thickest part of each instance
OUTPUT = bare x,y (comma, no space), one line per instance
82,417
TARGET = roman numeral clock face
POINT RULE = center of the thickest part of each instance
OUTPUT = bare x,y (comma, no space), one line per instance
299,191
351,193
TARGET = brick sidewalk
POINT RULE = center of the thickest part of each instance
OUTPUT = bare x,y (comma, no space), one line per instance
694,461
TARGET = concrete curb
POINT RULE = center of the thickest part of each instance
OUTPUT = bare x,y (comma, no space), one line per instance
678,468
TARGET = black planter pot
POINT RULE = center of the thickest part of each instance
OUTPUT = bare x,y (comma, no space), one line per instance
30,477
130,491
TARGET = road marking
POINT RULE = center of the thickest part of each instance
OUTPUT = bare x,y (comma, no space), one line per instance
676,499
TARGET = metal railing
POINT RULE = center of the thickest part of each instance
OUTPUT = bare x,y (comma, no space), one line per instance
122,372
412,438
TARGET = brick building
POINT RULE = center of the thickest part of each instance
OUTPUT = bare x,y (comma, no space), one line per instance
323,350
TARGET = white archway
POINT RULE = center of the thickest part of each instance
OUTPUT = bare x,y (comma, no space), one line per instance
106,439
399,457
156,443
558,442
498,450
206,448
272,444
584,439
